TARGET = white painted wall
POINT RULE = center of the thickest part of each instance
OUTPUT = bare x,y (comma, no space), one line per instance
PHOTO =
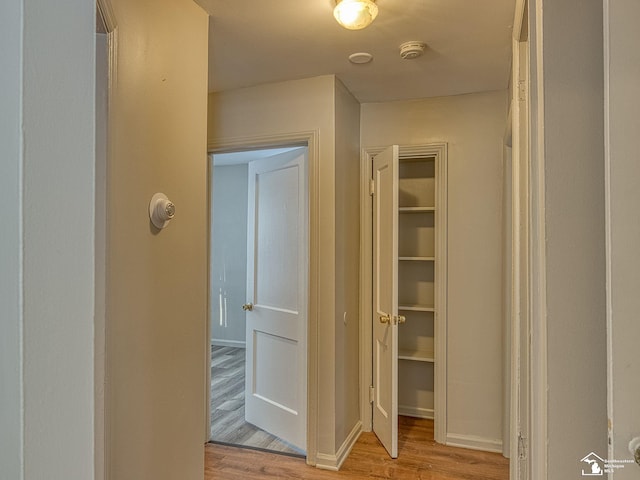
228,253
58,236
156,289
347,261
569,87
11,155
473,126
302,106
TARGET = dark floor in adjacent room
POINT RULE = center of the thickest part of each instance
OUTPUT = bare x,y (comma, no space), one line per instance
227,404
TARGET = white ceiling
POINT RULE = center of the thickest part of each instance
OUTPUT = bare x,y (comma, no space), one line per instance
239,158
258,41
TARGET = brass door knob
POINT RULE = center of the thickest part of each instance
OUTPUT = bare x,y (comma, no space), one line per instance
634,448
386,318
247,307
401,319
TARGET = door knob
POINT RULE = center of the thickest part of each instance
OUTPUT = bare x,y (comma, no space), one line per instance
247,307
634,448
401,319
386,318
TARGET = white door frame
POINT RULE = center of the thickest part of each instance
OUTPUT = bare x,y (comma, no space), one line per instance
520,300
532,271
620,149
538,280
101,407
439,151
309,139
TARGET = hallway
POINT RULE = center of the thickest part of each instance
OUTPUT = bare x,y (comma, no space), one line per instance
419,458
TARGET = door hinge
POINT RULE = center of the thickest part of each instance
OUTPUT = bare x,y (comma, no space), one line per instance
522,447
371,393
372,187
522,90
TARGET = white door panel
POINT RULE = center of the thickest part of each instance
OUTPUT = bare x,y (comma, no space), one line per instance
276,235
385,299
275,390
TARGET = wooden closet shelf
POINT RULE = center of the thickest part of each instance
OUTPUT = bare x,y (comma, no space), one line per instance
417,308
416,355
416,209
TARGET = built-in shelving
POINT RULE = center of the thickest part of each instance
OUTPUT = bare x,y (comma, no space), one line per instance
416,285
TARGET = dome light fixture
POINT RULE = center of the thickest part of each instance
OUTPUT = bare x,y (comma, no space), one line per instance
355,14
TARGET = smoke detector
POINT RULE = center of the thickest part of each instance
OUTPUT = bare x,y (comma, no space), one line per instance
411,50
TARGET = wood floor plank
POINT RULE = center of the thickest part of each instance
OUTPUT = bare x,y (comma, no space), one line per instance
420,458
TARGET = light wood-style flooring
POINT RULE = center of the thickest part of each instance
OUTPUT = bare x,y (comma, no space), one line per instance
227,404
420,458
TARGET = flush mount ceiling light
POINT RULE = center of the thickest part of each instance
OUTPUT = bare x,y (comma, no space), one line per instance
355,14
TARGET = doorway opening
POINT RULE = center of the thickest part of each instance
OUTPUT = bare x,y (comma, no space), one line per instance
258,298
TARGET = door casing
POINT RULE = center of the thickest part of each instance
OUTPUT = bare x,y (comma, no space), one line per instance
521,256
622,233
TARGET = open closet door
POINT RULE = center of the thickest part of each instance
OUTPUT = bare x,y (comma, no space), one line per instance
385,299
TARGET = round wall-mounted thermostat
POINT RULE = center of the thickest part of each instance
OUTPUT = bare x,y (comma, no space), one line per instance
161,210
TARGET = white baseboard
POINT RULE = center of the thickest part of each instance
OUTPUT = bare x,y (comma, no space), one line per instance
415,412
334,462
474,443
218,342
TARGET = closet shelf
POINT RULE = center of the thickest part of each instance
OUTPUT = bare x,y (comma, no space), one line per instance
417,308
417,259
416,355
416,159
416,209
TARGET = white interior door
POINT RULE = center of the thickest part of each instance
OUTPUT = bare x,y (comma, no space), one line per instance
622,150
276,368
385,299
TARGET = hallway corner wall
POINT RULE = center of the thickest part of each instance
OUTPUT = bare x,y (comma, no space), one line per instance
473,127
570,86
156,280
347,308
56,179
